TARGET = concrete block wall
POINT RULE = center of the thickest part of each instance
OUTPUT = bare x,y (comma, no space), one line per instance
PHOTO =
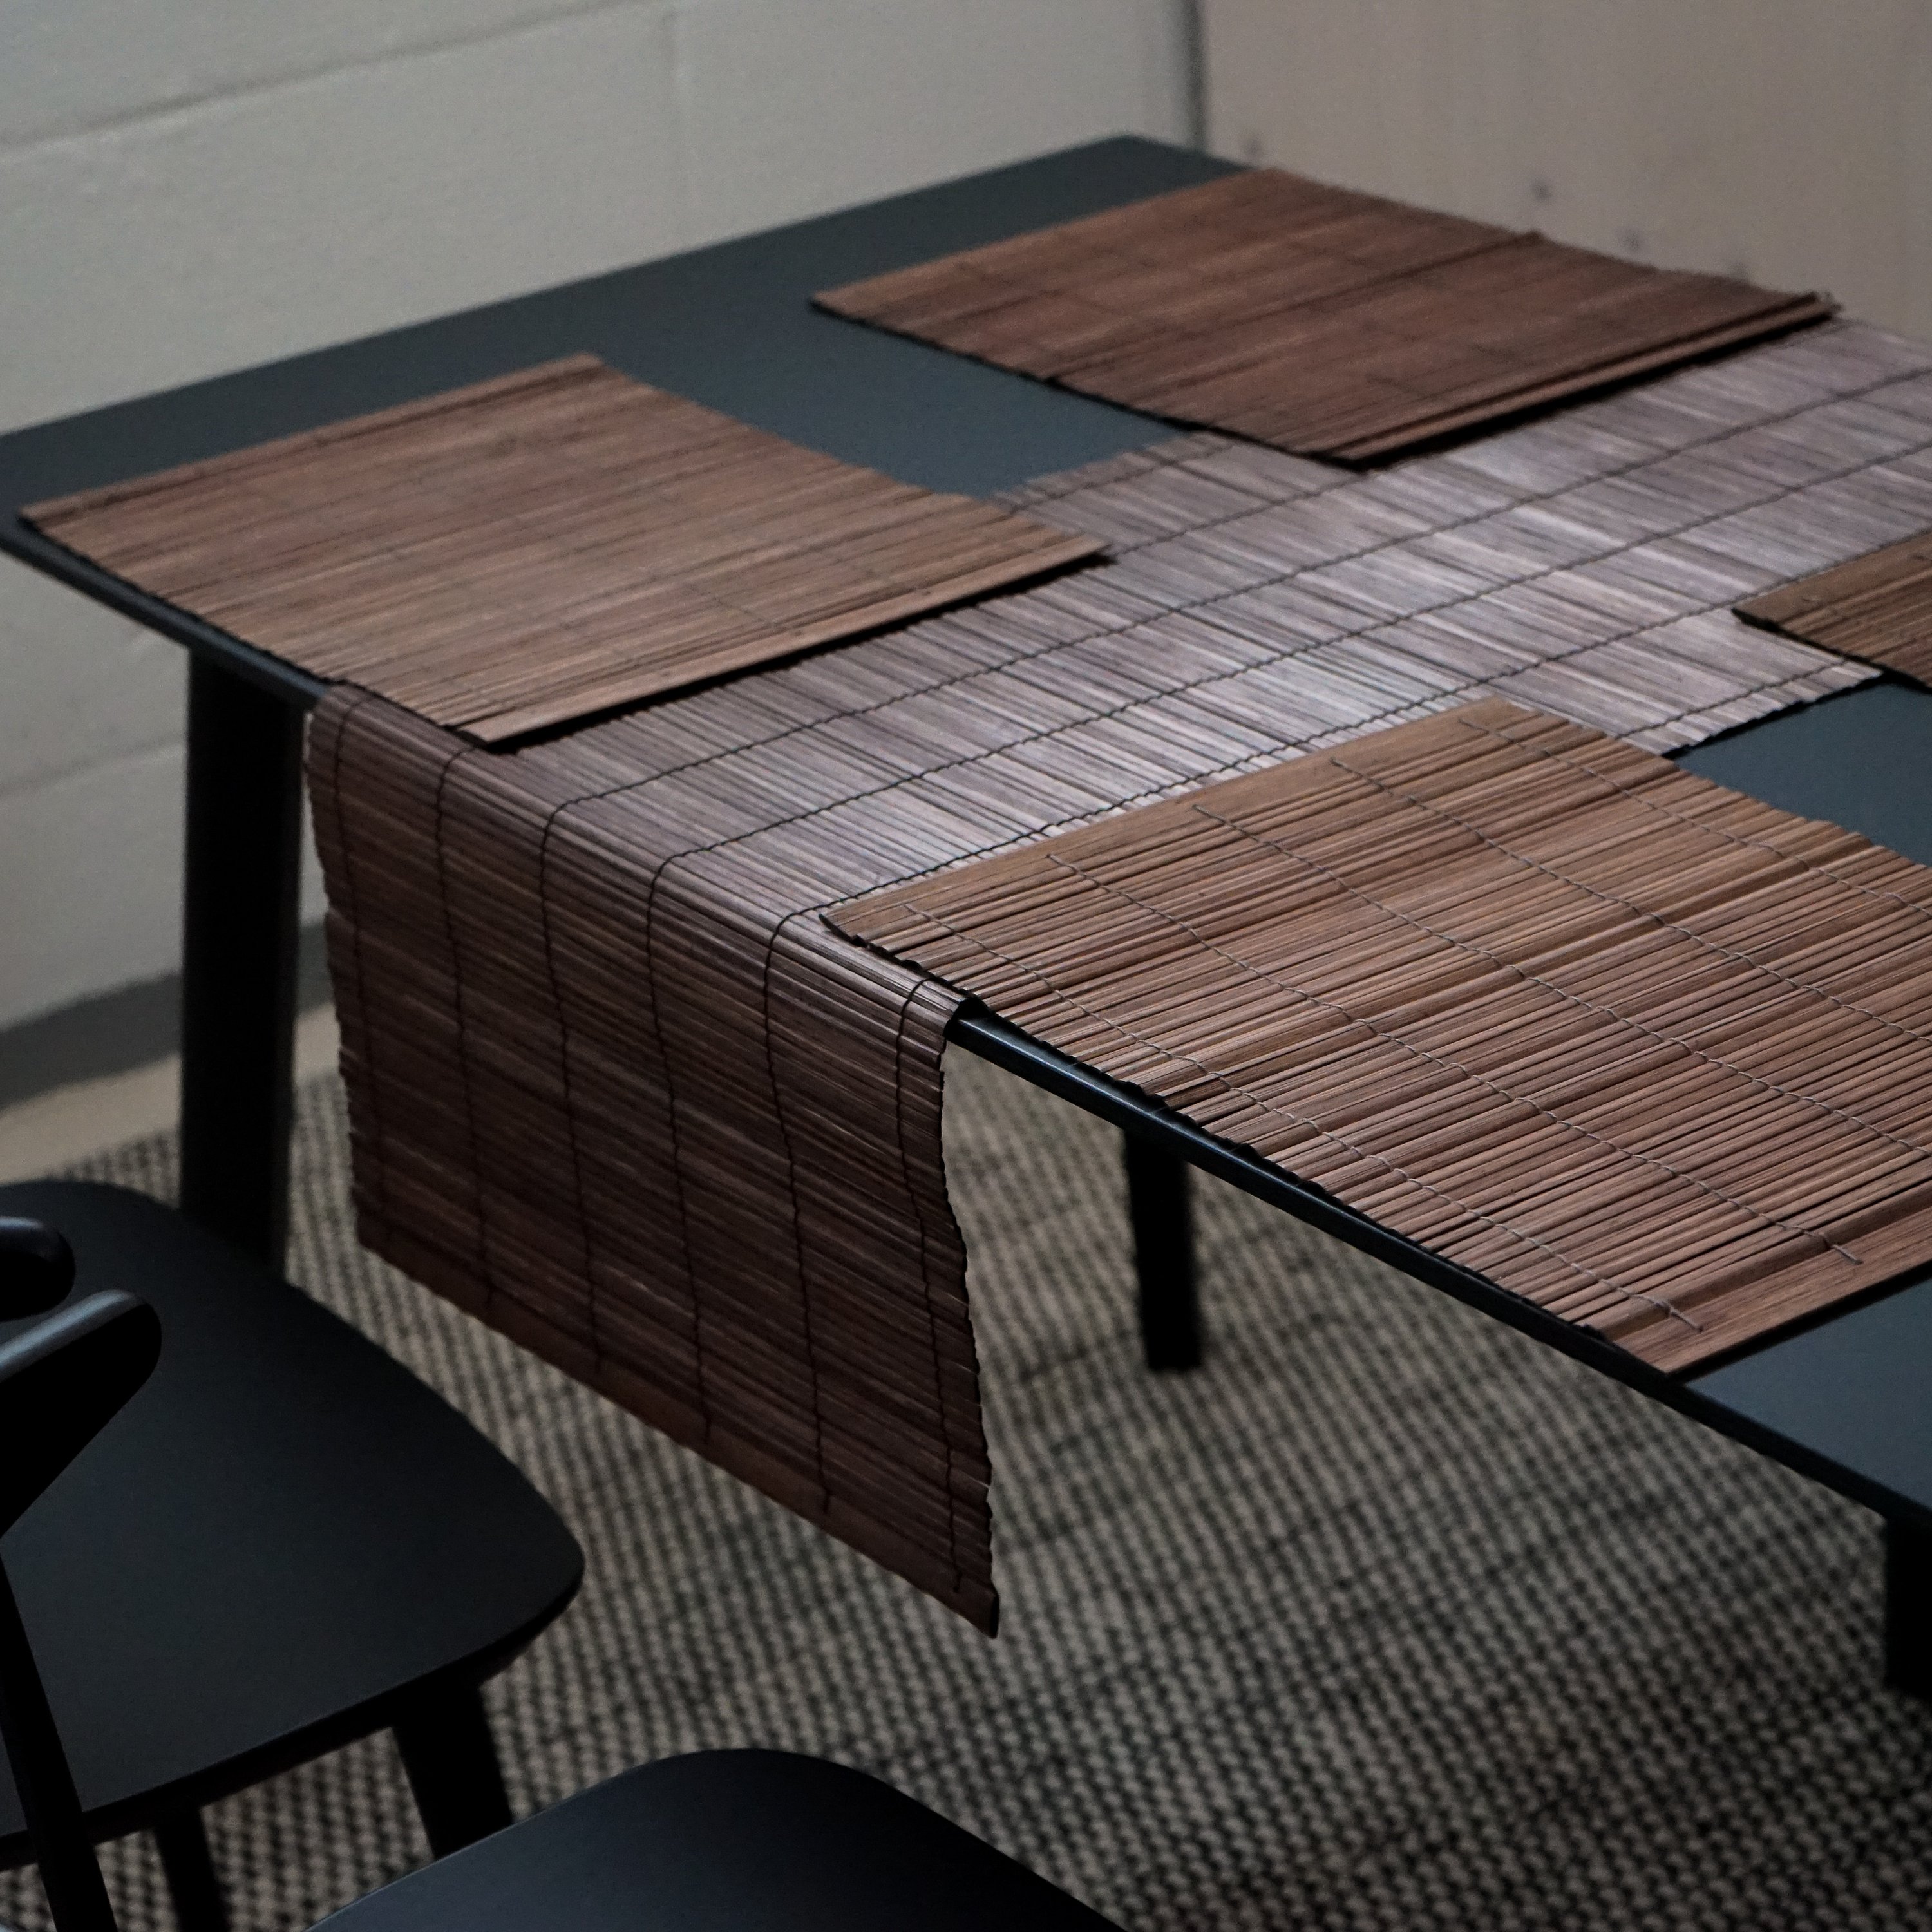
192,186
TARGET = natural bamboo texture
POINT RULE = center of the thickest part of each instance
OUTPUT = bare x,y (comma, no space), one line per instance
1319,320
1877,608
510,557
617,1086
1649,1054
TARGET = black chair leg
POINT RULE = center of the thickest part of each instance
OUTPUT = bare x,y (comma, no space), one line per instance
1908,1609
193,1885
451,1759
1170,1306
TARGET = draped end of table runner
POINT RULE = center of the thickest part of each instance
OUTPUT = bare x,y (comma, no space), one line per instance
1878,608
575,1118
1315,319
545,548
1647,1053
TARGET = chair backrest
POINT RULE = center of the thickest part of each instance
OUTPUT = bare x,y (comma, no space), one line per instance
61,1382
36,1267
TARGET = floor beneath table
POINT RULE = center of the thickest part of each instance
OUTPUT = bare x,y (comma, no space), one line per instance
1387,1618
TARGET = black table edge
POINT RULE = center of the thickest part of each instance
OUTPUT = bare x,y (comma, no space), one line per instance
994,1040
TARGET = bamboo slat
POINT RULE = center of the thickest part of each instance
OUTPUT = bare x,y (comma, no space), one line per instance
512,556
617,1086
1877,608
1654,1055
1316,319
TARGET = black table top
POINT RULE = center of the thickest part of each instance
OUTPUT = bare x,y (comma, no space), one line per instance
1846,1400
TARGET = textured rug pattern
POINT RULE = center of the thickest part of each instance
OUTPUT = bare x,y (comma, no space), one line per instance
1387,1618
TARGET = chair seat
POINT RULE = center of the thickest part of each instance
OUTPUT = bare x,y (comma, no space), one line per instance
726,1841
282,1539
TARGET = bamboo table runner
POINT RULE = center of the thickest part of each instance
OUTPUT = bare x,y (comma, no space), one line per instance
1311,318
1653,1055
617,1087
511,557
1877,608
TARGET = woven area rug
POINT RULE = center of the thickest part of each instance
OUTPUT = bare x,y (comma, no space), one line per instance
1386,1619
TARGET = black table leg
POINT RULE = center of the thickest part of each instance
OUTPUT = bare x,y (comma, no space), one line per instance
1170,1306
194,1887
1908,1609
451,1759
238,958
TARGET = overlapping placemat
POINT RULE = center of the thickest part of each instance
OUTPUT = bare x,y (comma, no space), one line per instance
1319,320
1648,1053
1878,608
617,1086
537,549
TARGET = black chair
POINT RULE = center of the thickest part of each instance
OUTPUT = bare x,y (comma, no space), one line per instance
286,1543
721,1841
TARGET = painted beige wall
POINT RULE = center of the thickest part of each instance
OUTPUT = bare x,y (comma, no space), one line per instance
190,186
1787,141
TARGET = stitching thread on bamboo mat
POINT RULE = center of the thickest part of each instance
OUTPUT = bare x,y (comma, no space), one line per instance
1313,319
571,1129
693,1273
1341,480
825,1488
483,1268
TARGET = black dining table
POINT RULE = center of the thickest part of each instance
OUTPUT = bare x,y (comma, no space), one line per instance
1845,1399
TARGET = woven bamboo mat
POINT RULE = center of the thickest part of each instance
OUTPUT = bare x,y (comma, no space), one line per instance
1316,319
1647,1052
1877,608
618,1088
514,555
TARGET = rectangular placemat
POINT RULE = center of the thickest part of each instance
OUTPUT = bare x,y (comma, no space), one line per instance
1878,608
1319,320
514,555
1651,1055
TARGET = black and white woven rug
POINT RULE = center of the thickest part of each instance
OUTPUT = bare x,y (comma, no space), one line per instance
1386,1619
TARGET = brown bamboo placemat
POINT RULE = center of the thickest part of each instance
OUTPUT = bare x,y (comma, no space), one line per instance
1319,320
1877,608
1652,1055
511,557
618,1088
